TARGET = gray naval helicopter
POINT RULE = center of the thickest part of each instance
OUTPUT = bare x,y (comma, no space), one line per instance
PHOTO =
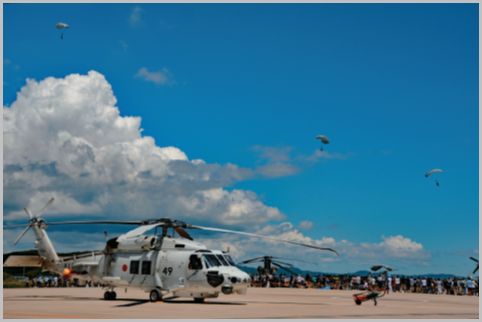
162,265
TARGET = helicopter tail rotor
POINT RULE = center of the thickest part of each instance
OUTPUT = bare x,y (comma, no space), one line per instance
43,244
21,234
34,219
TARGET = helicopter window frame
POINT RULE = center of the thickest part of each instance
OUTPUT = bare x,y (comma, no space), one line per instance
146,268
212,260
221,258
134,267
206,262
230,260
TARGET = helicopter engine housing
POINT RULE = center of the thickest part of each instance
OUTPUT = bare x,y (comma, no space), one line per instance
138,243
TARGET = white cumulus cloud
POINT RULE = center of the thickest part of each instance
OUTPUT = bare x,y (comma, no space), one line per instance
393,249
400,245
281,161
65,137
160,77
306,224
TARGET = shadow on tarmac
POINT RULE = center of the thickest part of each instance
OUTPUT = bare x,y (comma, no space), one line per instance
132,302
205,303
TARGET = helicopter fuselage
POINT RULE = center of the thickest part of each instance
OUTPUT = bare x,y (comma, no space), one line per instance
178,266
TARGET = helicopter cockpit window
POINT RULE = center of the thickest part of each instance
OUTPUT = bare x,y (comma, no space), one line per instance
195,262
229,260
222,260
211,260
206,263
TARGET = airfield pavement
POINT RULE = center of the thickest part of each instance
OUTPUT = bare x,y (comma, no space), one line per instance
87,303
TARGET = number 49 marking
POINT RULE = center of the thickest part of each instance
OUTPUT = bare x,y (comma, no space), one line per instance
167,270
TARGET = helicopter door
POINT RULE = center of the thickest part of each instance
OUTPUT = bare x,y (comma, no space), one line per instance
195,273
172,269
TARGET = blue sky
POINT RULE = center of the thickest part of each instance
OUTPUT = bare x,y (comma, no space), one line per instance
394,86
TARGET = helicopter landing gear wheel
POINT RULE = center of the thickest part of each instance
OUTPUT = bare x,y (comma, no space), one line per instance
199,300
154,296
110,296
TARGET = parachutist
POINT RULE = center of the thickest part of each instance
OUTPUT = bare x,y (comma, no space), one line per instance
62,26
434,172
323,140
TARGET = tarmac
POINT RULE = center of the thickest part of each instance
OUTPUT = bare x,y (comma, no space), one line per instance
259,303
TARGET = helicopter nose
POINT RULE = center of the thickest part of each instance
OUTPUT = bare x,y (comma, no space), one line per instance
245,279
239,279
245,282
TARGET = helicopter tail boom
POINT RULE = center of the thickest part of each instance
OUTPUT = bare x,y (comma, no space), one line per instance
45,247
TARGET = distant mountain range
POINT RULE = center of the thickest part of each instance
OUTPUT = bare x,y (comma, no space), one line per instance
252,271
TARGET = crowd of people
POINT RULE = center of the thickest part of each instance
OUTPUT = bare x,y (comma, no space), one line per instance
381,282
56,281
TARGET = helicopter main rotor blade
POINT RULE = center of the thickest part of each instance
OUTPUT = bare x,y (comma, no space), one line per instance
282,263
139,230
97,222
294,260
182,233
476,269
285,268
261,236
252,260
474,259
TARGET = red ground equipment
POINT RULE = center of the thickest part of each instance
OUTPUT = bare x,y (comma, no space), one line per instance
366,296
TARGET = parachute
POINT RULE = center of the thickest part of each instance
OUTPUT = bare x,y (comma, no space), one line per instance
323,139
62,26
433,172
378,267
